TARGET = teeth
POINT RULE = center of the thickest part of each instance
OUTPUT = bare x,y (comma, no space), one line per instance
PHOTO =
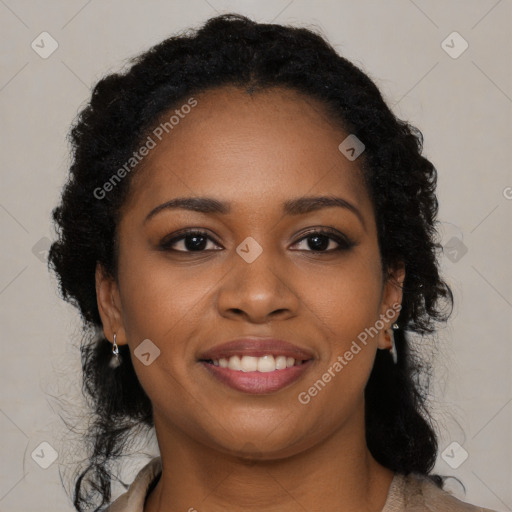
280,362
265,364
234,363
249,364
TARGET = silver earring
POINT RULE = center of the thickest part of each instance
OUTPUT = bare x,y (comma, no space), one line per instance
116,358
392,350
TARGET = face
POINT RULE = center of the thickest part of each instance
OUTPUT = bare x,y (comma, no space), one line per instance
268,263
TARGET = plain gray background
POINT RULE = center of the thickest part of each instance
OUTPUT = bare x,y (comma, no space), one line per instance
460,101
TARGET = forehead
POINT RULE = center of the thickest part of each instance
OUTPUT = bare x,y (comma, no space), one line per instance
254,151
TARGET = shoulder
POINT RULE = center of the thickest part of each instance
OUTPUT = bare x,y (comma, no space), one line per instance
407,493
133,499
417,493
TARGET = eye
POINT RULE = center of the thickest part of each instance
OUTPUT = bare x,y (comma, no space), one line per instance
320,240
190,240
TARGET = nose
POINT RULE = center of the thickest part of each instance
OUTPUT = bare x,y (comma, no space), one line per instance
257,292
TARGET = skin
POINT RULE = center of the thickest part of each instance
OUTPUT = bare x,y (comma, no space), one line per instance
223,449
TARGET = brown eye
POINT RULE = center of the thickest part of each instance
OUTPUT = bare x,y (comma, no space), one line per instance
191,241
321,240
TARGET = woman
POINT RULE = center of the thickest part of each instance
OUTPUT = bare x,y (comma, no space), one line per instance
249,232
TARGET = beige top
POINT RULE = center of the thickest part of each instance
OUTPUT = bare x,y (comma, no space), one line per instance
411,493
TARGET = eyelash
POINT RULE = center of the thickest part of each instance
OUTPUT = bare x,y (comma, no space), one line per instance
344,244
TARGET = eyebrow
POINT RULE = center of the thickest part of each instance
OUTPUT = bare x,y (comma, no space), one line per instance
297,206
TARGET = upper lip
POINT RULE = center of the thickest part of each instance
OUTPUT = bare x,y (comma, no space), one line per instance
256,347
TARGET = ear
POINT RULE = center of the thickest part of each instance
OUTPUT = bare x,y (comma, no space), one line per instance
109,306
391,303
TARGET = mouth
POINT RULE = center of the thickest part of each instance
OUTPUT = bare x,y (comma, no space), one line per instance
265,364
257,365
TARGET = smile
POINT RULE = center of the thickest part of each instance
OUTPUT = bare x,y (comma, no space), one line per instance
265,364
256,365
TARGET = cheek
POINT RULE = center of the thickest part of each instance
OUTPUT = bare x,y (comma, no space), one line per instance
159,299
162,303
345,298
346,305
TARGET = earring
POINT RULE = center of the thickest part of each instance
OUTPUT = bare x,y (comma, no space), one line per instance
115,361
392,350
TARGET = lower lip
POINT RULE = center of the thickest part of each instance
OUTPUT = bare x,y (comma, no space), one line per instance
258,382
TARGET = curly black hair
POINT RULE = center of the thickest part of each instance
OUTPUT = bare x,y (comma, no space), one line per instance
234,50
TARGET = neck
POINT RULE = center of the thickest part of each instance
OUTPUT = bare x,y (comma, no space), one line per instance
338,474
